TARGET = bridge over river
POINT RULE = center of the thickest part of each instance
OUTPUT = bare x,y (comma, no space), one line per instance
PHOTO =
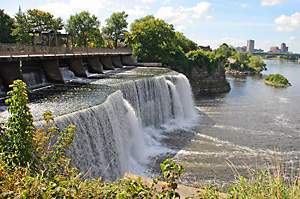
47,64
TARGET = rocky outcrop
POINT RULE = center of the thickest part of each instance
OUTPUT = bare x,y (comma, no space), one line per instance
204,81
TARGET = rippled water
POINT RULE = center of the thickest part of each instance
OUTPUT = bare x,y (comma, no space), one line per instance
253,126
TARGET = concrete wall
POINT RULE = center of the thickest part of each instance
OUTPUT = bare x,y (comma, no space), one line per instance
107,63
116,60
95,64
9,71
76,66
128,60
51,68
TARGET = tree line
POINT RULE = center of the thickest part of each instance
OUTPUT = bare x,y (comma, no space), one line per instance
82,28
151,39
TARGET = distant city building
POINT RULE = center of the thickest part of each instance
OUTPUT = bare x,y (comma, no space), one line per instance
250,46
241,49
258,51
284,48
275,49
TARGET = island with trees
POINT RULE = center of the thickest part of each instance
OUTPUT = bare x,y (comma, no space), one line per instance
240,63
277,80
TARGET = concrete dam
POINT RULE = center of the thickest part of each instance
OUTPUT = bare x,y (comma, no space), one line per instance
39,68
119,119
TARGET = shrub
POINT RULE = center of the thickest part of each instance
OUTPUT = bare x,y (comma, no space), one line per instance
204,59
277,80
16,141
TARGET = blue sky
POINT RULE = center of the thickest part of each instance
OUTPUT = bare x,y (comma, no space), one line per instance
209,22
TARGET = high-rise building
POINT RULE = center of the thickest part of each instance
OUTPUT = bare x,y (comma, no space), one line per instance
284,48
250,46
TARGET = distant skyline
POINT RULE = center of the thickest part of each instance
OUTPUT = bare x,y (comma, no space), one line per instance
210,22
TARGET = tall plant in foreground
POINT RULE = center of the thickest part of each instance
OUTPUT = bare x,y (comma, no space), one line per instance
16,141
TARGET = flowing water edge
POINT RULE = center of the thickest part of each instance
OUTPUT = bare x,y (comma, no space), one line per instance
132,120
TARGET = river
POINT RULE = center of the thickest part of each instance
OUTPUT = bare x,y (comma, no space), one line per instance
254,126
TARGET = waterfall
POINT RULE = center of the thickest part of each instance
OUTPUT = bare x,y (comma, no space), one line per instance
113,137
35,79
67,74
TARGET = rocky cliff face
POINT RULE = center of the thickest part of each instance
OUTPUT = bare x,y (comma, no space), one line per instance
204,81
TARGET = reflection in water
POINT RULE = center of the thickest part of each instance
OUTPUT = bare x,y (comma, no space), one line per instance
249,127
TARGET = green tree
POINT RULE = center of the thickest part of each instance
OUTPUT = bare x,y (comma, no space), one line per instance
257,63
186,44
35,21
115,28
22,29
16,146
6,26
84,29
225,51
204,59
153,39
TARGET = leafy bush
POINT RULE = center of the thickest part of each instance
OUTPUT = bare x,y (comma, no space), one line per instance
16,141
277,80
204,59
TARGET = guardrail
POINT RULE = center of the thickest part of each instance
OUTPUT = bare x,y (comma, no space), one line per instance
19,49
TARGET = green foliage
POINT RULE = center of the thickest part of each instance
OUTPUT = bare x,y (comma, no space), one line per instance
50,155
277,80
22,29
115,28
225,51
264,185
184,43
6,26
16,142
204,59
209,192
84,29
240,61
257,63
154,40
35,21
171,172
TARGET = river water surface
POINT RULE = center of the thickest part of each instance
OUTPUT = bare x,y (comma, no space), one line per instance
253,126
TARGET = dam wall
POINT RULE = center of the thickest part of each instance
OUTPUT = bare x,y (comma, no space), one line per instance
12,66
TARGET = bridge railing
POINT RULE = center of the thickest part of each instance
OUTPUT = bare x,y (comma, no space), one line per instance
20,49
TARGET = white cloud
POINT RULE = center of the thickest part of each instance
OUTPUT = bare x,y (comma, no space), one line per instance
202,8
244,5
228,40
149,1
181,16
271,2
65,9
286,23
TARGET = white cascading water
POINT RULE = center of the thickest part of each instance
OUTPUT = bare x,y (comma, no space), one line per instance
35,79
113,138
67,74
